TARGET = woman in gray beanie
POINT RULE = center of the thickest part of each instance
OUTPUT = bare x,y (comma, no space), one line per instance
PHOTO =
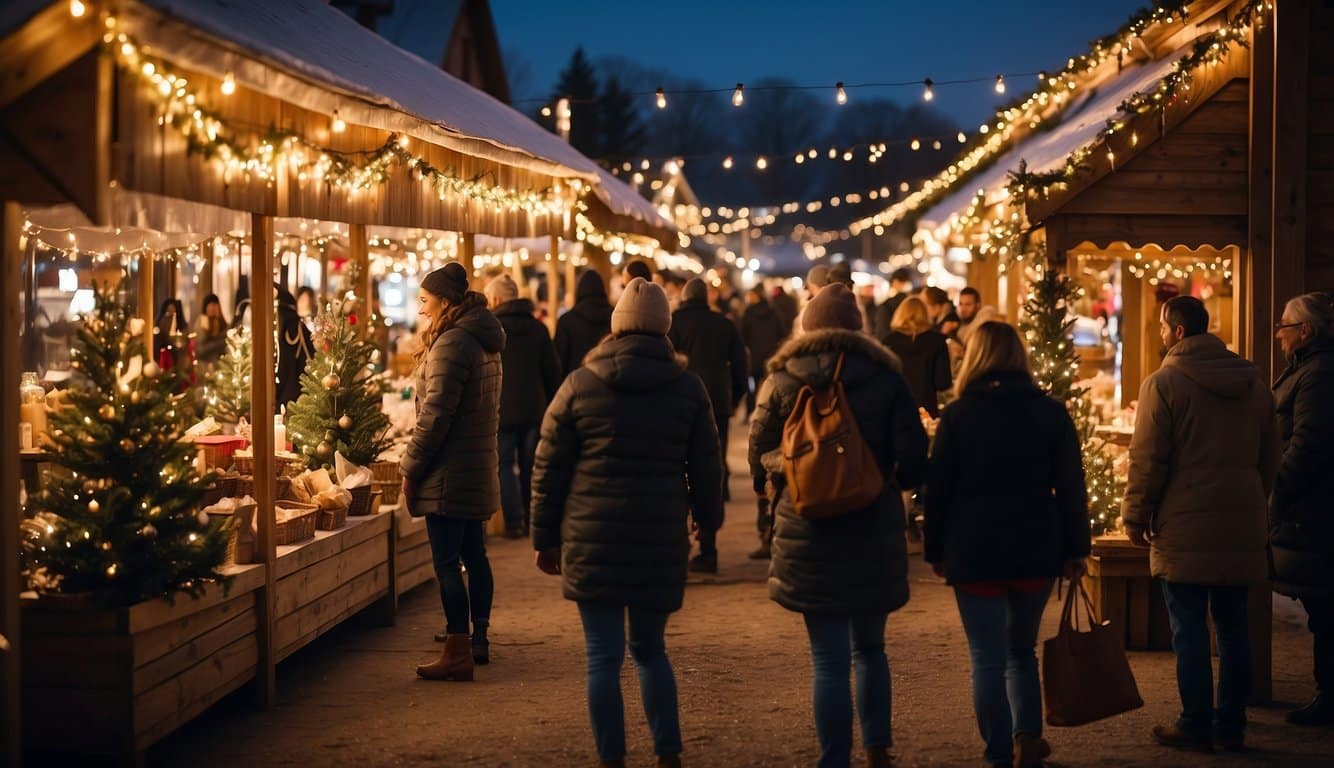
610,508
450,467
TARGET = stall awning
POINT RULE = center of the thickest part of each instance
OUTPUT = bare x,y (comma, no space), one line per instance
631,212
309,54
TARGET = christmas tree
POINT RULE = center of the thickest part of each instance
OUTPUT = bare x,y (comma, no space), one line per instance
340,405
1047,326
120,516
229,386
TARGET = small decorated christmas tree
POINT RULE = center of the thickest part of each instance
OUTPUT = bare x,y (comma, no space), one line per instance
1047,326
229,387
340,405
120,516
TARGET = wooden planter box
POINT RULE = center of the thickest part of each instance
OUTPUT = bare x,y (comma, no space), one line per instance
113,682
1125,594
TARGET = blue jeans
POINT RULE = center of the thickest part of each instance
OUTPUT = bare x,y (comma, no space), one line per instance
1187,607
604,642
517,446
1002,638
454,541
838,642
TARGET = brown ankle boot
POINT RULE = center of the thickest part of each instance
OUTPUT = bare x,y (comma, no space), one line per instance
455,662
1030,751
669,761
878,757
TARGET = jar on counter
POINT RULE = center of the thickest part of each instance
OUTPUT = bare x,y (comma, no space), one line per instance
32,411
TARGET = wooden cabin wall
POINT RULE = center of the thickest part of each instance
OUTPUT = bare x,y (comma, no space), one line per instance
1320,151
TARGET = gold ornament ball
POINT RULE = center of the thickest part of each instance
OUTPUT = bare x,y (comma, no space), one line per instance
126,444
148,531
330,435
345,421
134,398
151,370
93,506
155,511
107,412
331,381
124,389
323,449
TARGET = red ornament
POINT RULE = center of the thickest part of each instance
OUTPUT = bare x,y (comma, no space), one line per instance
351,319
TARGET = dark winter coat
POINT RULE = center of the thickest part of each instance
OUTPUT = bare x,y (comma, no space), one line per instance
295,349
762,331
1202,463
531,371
628,450
713,351
584,326
926,365
1016,513
451,461
787,310
857,563
1302,521
884,315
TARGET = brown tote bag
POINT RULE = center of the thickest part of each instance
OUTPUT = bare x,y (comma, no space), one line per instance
1085,675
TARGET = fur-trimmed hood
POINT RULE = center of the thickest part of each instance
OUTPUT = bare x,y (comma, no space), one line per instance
811,357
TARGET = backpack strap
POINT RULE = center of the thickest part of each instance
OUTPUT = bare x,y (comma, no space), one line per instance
838,370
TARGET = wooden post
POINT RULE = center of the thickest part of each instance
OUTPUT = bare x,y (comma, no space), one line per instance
261,409
572,274
206,275
324,276
1290,128
1132,303
553,283
146,267
358,251
516,267
468,253
11,230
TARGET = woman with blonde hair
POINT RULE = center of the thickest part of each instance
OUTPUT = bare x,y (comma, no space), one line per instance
1005,516
922,351
449,469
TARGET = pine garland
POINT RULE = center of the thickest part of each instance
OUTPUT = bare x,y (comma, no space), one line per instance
1047,325
339,409
119,517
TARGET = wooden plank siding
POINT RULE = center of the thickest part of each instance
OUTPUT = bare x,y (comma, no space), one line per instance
156,159
1320,151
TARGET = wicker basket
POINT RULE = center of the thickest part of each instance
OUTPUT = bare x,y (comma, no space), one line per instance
387,479
331,519
282,465
297,528
244,485
361,502
241,534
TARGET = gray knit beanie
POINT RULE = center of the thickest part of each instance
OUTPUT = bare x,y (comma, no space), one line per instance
643,308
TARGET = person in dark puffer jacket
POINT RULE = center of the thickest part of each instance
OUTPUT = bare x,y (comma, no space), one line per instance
531,375
584,326
844,574
1001,526
1301,522
628,451
450,467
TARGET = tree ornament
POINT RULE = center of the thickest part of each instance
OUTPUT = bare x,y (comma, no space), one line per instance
148,531
330,436
155,511
126,445
331,381
151,370
93,506
352,319
345,421
135,397
107,411
323,450
123,389
111,571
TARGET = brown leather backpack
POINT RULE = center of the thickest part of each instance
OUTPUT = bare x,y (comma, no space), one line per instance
830,470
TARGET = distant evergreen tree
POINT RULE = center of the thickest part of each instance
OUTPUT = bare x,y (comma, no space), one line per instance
579,84
622,129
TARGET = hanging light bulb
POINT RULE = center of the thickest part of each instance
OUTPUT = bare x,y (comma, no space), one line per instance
962,138
916,145
761,163
228,85
928,94
739,95
811,153
338,125
727,161
77,9
1000,83
840,95
662,99
800,158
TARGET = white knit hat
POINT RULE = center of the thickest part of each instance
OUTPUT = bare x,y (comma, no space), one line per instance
643,308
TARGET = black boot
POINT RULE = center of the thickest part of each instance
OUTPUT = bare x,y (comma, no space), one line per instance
481,647
704,563
1319,712
441,635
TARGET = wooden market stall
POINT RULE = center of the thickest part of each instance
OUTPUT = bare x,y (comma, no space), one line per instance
260,110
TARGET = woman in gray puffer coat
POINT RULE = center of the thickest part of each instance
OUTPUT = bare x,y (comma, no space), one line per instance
844,574
450,467
628,451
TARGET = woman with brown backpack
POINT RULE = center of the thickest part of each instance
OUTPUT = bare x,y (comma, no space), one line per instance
845,570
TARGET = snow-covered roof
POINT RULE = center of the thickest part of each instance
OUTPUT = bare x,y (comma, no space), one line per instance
622,200
1048,150
308,53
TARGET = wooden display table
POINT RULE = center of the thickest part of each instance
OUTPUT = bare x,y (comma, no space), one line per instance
1125,594
118,680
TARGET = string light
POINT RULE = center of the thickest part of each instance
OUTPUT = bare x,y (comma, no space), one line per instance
338,126
963,138
662,99
228,85
928,94
1000,83
739,95
77,9
761,163
840,95
727,161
